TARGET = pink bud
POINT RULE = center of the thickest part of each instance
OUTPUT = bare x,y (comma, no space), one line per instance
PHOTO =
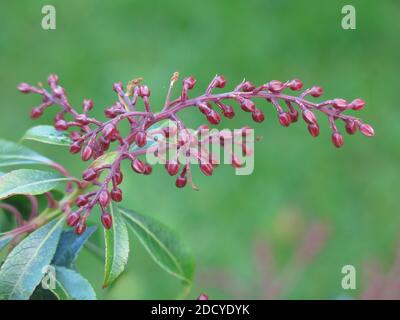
61,125
247,86
313,128
275,86
189,82
284,119
357,104
337,139
367,130
73,219
258,115
181,181
351,127
206,168
247,105
87,153
106,220
172,167
316,91
340,104
104,198
309,116
295,85
137,166
220,81
89,175
141,138
213,117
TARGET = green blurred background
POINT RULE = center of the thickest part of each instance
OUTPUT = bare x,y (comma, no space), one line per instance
298,181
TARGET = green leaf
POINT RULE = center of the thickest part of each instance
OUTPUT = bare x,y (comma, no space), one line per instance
117,247
23,268
48,134
162,244
105,159
70,285
5,240
28,181
69,246
12,154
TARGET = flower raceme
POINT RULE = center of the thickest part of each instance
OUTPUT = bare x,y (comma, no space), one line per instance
92,138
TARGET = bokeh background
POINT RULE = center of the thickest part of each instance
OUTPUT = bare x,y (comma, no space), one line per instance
308,209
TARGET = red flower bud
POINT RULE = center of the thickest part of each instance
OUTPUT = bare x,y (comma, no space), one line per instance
340,104
73,219
247,86
89,174
24,88
367,130
116,194
275,86
172,167
180,181
357,104
118,87
219,81
213,117
337,139
137,165
61,125
284,119
189,82
351,127
309,116
104,198
52,80
75,147
204,108
258,115
82,119
141,138
108,130
36,113
247,105
235,163
206,168
118,177
295,85
148,169
316,91
87,153
294,116
80,228
106,220
81,201
313,128
228,111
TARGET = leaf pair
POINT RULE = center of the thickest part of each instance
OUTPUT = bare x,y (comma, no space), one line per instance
166,249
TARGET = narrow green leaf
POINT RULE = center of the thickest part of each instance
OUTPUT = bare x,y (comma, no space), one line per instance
69,246
28,181
48,134
117,247
23,268
105,159
162,244
12,154
70,285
